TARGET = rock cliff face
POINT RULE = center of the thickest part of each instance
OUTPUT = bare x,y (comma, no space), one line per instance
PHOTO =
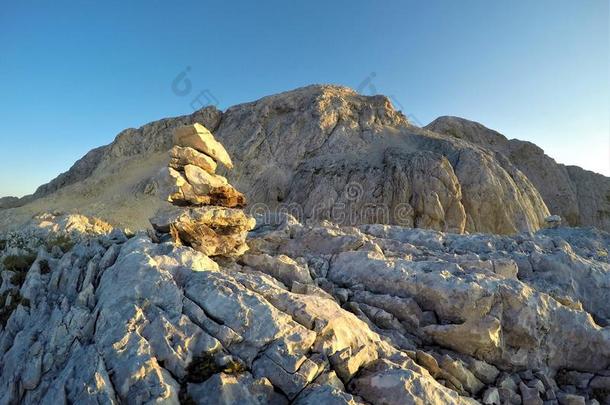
323,152
313,314
581,197
327,148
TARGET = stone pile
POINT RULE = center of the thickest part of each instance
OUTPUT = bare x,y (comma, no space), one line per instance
205,212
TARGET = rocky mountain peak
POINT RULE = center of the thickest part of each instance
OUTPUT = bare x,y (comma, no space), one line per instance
305,148
468,130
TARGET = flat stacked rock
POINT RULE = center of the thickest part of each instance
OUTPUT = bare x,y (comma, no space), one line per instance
192,170
206,212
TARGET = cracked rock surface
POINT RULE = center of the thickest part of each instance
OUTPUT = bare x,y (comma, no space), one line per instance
313,314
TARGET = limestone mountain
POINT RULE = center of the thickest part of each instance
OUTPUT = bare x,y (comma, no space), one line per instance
9,202
324,152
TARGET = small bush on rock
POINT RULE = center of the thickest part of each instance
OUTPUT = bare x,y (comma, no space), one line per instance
9,301
202,368
19,263
64,242
18,278
205,366
19,266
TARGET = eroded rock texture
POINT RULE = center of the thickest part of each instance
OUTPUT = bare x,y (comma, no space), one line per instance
579,196
324,152
323,148
312,314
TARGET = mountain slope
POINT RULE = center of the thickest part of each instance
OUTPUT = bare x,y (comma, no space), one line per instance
580,196
320,152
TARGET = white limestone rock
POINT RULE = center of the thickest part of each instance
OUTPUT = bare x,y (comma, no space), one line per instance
198,137
326,152
183,156
226,389
579,196
281,267
128,319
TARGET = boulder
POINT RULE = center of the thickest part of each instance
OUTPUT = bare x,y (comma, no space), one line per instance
428,362
485,372
178,190
182,156
216,188
491,396
211,230
203,182
571,399
317,394
280,267
553,221
529,396
476,336
457,369
600,382
385,383
198,137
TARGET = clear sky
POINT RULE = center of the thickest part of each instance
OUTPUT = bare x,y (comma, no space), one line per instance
74,74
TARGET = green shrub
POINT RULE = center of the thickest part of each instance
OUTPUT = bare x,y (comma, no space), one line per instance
18,278
184,398
204,366
15,300
19,263
64,242
201,368
3,244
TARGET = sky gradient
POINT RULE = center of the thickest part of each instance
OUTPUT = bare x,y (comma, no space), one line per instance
74,74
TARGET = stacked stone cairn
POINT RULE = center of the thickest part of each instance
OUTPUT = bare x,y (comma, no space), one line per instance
206,211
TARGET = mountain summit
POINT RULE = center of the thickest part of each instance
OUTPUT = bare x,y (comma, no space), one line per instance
326,152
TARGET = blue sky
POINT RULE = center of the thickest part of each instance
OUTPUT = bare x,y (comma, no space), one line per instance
74,74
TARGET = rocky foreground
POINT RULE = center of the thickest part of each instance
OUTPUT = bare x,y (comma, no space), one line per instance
312,314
